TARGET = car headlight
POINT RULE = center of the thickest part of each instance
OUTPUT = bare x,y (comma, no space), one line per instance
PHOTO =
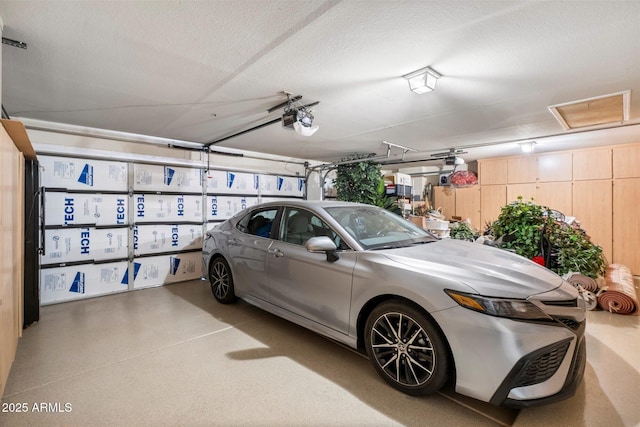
500,307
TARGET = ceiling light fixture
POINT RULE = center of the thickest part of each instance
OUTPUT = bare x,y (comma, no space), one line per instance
297,116
422,80
528,146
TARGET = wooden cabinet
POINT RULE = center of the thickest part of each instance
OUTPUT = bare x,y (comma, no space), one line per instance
492,199
493,171
626,161
593,207
444,198
460,202
526,191
11,250
468,205
592,164
599,186
555,195
555,167
626,223
522,169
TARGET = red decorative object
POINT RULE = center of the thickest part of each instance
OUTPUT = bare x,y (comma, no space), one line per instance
538,260
463,179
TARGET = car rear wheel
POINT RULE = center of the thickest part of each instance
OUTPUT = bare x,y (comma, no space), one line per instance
406,349
221,281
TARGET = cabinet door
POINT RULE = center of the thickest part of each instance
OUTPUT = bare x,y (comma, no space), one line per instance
555,167
526,191
492,171
12,252
592,207
626,223
555,195
625,161
468,205
592,164
492,199
444,198
522,169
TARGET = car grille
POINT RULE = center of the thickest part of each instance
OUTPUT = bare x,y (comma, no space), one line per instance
565,303
569,323
543,366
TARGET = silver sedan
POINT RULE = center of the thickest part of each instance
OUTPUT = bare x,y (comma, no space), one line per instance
426,311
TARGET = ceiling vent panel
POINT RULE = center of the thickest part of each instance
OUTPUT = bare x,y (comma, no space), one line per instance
598,111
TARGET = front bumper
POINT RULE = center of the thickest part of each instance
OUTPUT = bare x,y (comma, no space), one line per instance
514,363
532,363
535,372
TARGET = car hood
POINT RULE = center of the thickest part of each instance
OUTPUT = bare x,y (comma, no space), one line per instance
489,271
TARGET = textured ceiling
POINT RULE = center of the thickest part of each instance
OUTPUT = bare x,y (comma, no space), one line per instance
203,70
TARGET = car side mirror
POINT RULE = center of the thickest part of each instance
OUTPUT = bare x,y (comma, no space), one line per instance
323,244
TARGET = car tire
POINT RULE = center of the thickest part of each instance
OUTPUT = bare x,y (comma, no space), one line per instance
221,281
406,349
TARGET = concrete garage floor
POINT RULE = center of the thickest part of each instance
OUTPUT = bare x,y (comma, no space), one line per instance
173,356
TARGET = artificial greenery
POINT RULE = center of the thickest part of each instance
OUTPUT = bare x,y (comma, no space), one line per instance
462,231
533,232
574,251
523,222
362,182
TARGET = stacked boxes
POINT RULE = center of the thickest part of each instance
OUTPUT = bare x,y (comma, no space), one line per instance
398,184
114,226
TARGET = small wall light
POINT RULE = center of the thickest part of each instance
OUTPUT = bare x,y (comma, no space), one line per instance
527,147
422,80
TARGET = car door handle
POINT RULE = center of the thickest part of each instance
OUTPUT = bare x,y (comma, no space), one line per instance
276,252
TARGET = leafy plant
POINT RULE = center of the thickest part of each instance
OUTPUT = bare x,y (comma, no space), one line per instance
533,230
462,231
574,251
362,182
488,229
523,222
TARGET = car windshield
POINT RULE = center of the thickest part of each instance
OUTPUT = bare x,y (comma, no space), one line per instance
376,228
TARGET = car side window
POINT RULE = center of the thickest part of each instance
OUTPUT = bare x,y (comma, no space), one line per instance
258,223
299,225
296,226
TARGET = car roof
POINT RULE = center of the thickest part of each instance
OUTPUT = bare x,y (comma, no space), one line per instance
310,203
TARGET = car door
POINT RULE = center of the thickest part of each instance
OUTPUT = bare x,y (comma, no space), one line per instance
248,248
306,283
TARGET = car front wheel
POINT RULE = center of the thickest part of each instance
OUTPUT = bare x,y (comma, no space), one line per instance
406,349
221,281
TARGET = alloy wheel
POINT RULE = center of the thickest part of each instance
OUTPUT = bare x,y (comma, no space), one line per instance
402,349
221,281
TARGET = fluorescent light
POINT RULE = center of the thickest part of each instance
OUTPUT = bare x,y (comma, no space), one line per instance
527,147
422,80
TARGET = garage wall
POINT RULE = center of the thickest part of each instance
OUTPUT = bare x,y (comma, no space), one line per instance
115,221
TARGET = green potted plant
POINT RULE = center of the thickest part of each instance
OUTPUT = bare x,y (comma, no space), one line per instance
533,232
523,223
362,182
462,231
